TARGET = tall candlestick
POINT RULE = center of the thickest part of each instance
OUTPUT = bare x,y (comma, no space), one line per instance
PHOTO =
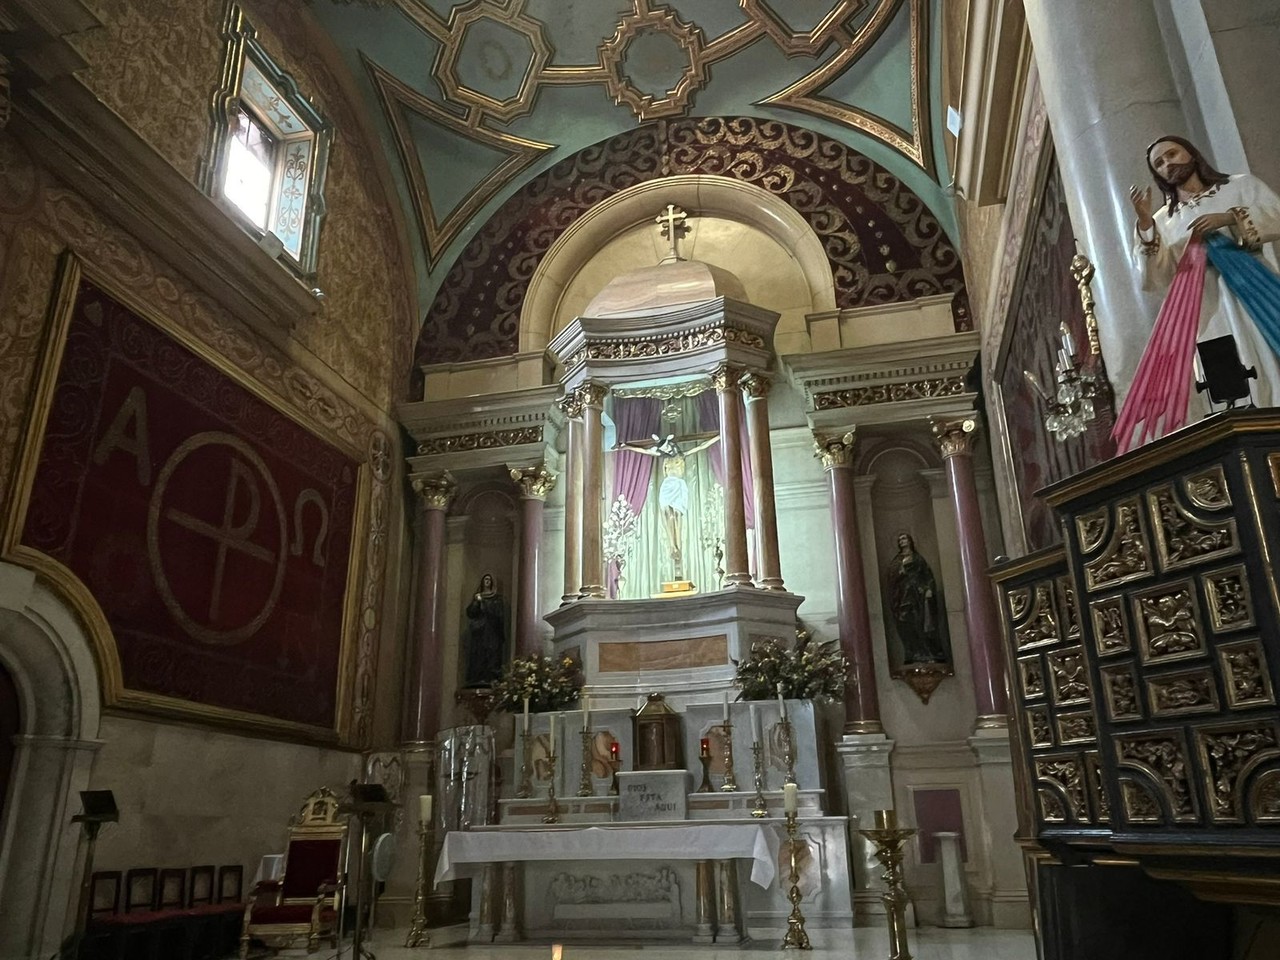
586,712
726,707
424,809
782,705
790,797
526,714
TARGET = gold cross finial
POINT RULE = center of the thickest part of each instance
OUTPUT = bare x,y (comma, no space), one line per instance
672,226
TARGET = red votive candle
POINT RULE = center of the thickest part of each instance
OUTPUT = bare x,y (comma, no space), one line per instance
613,750
706,747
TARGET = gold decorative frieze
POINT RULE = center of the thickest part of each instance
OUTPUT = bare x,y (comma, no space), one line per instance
1031,669
1227,594
1110,632
1264,802
486,440
1120,692
1069,676
1207,489
1163,758
1093,773
1228,755
1168,621
1039,728
1070,609
1178,694
930,388
1126,556
1183,540
642,348
1245,675
1041,627
1066,774
1140,804
1076,728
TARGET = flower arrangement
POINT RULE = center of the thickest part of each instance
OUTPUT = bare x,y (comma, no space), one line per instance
548,683
806,671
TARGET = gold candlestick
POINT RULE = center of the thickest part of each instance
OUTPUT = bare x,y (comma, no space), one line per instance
705,786
761,808
730,784
418,929
888,839
615,763
789,749
525,790
553,806
585,787
796,938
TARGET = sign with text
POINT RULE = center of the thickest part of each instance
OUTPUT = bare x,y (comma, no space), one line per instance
653,795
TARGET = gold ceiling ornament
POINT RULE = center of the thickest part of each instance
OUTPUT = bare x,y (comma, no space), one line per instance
834,451
955,437
437,491
643,20
399,102
534,482
510,16
802,43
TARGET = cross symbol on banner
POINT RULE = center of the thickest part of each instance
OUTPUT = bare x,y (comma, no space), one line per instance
672,226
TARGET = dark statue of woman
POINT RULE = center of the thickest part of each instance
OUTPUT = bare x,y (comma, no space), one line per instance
914,607
486,634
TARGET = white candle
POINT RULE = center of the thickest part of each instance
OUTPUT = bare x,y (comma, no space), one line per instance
556,951
424,808
552,739
782,705
586,713
526,714
726,706
790,794
755,724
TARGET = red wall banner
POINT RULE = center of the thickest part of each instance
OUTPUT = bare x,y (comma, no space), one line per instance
214,532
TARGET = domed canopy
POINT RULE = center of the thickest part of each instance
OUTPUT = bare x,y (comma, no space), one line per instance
651,290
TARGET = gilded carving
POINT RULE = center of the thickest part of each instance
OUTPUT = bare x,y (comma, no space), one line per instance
1140,806
646,21
1264,805
1168,623
726,376
1227,593
927,389
1067,774
1039,728
1163,758
592,393
955,438
1208,489
1246,676
487,440
1019,601
1041,627
1032,673
646,348
755,385
1120,692
1093,771
1070,609
445,69
534,482
1183,540
1076,728
1110,633
1051,807
1069,676
834,451
1126,556
1228,755
570,405
1091,528
436,492
1177,694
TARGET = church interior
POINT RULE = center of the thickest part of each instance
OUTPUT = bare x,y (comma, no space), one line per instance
797,474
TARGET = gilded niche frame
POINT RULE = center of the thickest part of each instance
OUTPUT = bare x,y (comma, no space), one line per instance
115,695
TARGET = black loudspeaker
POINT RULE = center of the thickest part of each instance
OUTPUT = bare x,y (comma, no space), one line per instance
99,807
1225,377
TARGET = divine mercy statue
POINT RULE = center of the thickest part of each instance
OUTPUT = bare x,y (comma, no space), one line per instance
486,634
673,494
914,606
1212,245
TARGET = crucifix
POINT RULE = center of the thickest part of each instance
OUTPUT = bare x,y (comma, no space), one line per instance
672,226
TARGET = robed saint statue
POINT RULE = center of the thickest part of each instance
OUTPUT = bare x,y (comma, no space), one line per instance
914,605
486,638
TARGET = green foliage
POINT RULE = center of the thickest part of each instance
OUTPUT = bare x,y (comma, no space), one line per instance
807,671
549,683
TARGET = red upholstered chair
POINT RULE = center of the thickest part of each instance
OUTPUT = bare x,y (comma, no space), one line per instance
304,901
201,891
171,894
141,885
104,895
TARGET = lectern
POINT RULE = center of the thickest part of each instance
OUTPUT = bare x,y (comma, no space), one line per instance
366,800
99,807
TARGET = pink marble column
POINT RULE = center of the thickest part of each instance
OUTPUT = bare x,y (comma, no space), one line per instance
736,570
571,405
534,483
955,442
861,699
592,395
755,388
423,713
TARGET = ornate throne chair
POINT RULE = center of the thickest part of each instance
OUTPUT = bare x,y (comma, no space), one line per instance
304,901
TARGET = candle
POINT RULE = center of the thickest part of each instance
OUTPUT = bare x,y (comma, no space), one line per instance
755,724
726,706
782,704
526,714
790,794
706,747
424,808
886,819
552,739
614,750
556,951
586,713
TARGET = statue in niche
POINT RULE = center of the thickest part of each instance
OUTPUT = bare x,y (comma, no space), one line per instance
486,634
914,605
673,494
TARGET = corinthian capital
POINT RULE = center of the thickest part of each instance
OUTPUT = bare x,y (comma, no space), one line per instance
834,451
534,482
955,437
436,491
592,394
570,405
755,385
726,376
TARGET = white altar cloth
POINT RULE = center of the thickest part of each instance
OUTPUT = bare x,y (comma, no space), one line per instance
464,853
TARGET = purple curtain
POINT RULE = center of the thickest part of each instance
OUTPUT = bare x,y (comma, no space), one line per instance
709,419
636,418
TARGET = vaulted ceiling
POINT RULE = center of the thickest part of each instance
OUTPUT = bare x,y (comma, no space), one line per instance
474,100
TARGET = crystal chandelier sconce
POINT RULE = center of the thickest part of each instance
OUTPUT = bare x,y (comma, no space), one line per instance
1070,408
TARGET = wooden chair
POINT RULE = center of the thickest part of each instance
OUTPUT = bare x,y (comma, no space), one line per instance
141,887
104,893
231,883
171,892
201,890
304,900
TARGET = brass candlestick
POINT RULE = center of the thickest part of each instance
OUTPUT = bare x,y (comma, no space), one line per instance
585,787
888,839
730,784
525,790
788,749
761,808
418,929
705,786
614,762
553,805
796,938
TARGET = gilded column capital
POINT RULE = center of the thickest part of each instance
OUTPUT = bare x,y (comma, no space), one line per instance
755,385
534,482
592,393
834,451
570,405
436,491
726,376
955,437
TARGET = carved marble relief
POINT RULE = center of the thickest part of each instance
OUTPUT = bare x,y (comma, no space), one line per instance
1207,489
1178,694
1120,692
1163,758
1039,729
1031,669
1069,676
1070,609
1076,728
1264,803
1041,627
1245,675
1168,621
1227,593
1126,556
1227,756
1067,775
1110,632
1140,805
1182,540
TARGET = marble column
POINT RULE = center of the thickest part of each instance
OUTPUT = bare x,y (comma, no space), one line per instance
861,700
534,483
592,395
955,440
1109,91
436,492
755,389
571,406
736,569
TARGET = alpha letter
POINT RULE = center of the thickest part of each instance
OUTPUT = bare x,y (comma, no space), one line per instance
132,411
